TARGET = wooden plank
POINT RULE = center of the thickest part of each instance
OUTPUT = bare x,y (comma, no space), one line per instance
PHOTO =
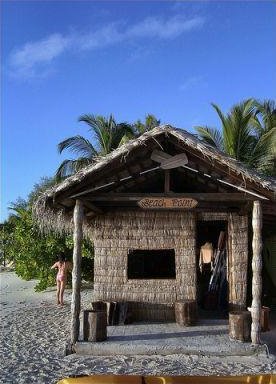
93,207
175,161
221,196
168,161
159,156
167,181
221,169
167,203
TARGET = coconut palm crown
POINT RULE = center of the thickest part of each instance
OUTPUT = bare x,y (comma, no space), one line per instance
247,134
107,135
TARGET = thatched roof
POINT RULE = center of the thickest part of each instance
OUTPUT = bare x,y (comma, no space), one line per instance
52,206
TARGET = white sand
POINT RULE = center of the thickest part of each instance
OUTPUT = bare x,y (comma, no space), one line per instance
34,332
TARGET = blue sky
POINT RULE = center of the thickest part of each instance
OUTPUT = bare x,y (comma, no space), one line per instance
66,58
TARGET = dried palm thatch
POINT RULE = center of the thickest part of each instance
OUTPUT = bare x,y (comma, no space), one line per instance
51,216
117,232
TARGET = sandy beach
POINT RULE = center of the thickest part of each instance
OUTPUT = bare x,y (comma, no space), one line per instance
34,332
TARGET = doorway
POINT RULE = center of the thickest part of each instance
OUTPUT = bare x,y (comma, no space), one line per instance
212,283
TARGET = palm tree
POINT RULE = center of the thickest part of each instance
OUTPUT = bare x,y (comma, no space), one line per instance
150,122
107,134
242,136
265,129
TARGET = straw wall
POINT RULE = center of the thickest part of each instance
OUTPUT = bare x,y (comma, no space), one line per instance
237,251
117,232
238,259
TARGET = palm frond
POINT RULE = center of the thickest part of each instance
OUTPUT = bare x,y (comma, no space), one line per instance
122,132
219,112
78,145
265,113
211,136
68,167
97,126
150,122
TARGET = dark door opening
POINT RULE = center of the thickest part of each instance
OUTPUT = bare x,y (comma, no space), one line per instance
151,264
212,281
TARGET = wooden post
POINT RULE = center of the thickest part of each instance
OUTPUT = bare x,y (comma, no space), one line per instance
257,272
76,273
167,181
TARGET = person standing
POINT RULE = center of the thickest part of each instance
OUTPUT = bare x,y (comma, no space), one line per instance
63,266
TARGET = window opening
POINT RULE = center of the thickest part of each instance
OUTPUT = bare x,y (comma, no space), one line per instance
151,264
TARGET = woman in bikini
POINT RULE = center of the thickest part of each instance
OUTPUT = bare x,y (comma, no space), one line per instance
63,267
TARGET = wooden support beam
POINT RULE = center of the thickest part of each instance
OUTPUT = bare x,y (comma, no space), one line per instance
76,273
113,183
222,197
256,306
220,169
92,207
167,181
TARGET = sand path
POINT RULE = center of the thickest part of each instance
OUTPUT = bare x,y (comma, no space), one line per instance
34,332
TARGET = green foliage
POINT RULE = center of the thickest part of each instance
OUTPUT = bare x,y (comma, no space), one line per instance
106,135
248,134
41,186
140,127
34,253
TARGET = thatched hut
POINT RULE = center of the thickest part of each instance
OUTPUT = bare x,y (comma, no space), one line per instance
148,207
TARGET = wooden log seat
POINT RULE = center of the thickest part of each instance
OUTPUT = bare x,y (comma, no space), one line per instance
94,325
240,325
186,312
116,312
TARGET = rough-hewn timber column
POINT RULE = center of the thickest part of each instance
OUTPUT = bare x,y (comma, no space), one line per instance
238,259
76,273
257,272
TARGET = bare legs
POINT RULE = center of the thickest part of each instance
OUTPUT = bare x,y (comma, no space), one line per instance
60,291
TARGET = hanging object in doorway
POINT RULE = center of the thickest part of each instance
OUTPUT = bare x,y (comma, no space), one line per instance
206,256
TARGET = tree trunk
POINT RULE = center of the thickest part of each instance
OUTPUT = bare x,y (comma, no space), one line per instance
257,272
76,273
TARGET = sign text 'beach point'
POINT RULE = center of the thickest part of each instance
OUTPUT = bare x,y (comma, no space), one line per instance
167,203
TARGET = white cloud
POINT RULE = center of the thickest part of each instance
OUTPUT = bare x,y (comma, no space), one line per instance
102,37
34,58
164,29
191,82
26,60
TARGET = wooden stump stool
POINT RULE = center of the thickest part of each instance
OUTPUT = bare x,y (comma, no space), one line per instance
265,319
116,312
186,312
240,325
98,306
94,325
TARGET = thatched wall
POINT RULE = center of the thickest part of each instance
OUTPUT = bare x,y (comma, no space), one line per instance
237,251
115,233
237,260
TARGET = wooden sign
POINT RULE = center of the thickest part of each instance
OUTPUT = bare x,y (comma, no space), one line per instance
167,203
